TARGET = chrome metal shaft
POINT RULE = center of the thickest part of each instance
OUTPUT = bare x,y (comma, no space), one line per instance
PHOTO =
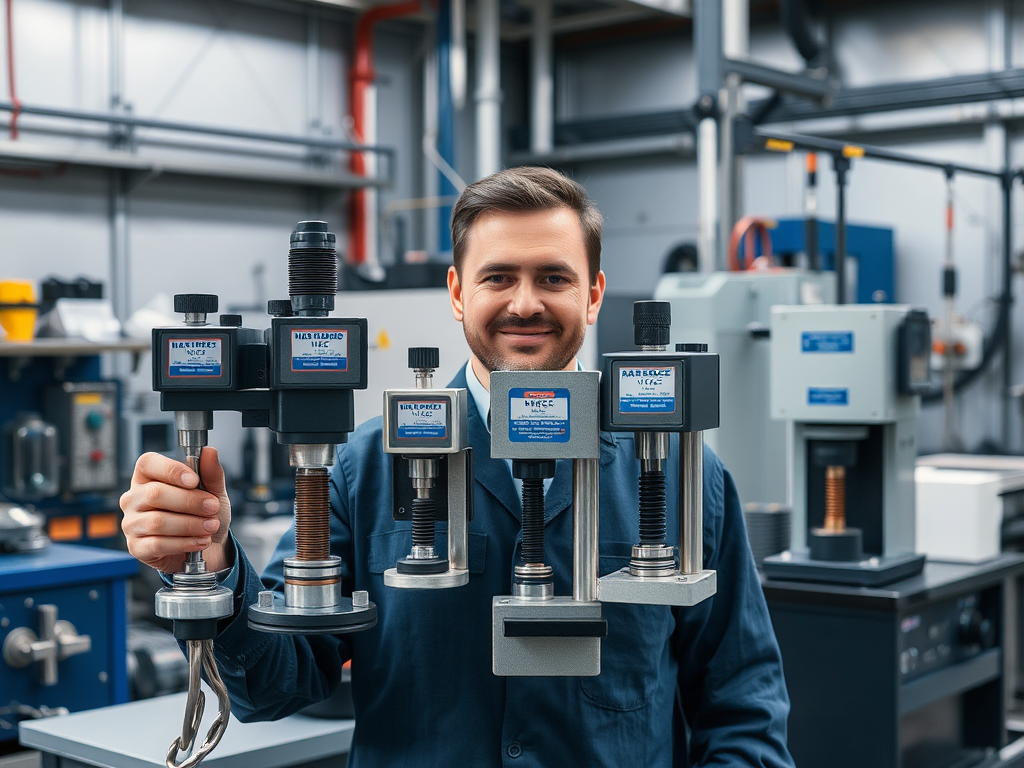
691,502
585,501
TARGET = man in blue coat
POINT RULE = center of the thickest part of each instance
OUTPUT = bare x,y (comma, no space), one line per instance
678,686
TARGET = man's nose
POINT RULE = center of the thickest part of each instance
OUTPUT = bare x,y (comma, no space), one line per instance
525,301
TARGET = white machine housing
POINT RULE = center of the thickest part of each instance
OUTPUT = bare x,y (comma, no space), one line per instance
833,366
724,310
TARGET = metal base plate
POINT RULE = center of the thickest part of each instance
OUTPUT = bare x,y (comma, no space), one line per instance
543,656
680,589
872,572
446,580
340,620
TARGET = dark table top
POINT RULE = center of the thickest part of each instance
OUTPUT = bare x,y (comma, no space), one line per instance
937,581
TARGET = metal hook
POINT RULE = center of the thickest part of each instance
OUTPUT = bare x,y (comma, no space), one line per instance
200,658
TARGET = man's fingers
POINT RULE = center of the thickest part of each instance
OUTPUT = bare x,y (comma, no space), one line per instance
212,471
169,524
160,496
155,466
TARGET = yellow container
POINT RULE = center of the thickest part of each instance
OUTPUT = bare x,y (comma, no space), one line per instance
19,323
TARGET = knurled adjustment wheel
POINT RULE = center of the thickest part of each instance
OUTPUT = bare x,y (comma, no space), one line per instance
279,307
692,346
651,323
424,357
196,303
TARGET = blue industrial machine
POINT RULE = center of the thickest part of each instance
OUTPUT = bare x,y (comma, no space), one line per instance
63,626
871,248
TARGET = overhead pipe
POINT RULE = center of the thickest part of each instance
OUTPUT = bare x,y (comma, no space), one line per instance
488,88
362,228
542,87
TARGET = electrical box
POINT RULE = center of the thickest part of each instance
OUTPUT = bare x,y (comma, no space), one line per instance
837,364
86,417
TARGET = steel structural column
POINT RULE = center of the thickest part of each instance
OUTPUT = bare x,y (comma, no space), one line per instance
488,88
542,90
445,119
707,41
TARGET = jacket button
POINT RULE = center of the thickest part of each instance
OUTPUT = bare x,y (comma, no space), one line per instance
514,750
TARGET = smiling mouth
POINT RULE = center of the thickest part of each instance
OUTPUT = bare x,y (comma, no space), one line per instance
526,334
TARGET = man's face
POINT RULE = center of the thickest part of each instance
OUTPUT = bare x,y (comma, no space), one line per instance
524,296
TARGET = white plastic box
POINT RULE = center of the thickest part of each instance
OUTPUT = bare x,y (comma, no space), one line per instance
959,514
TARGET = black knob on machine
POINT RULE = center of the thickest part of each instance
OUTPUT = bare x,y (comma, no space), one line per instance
196,303
975,629
424,357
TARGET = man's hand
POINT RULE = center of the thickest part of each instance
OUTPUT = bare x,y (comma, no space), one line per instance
165,516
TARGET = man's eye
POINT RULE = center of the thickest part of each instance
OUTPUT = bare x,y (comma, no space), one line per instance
556,280
496,278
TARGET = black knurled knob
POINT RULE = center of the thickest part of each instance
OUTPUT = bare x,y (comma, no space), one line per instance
692,346
651,323
424,357
279,307
231,321
196,303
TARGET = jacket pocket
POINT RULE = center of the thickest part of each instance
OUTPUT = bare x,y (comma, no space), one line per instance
632,654
386,549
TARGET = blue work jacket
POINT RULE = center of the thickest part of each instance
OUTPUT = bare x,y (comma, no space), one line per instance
678,686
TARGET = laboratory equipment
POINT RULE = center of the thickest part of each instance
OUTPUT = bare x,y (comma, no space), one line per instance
297,379
653,393
730,312
426,432
538,417
847,379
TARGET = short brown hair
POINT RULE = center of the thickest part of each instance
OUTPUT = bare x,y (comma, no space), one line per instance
526,190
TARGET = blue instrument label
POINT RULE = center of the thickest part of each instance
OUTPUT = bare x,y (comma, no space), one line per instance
827,396
191,358
423,419
826,341
319,349
647,389
538,415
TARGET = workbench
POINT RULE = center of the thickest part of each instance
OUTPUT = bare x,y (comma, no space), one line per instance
137,735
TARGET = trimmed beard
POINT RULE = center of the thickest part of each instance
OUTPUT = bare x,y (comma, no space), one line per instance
556,360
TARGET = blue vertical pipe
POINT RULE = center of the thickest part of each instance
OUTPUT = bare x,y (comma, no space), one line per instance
445,117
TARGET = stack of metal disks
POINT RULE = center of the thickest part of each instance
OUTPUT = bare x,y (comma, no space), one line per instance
768,529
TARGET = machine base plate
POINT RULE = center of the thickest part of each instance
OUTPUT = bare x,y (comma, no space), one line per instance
338,620
446,580
873,571
678,589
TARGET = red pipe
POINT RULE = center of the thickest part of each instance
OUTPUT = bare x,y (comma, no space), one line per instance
360,78
10,73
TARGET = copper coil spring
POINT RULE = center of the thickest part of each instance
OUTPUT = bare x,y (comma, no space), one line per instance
312,514
835,499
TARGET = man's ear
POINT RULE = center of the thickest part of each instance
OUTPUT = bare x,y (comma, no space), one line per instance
455,293
596,297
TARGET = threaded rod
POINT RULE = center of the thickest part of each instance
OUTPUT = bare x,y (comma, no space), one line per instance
423,522
533,522
835,498
312,514
653,507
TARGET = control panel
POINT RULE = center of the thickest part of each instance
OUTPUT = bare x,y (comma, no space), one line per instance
85,414
943,634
